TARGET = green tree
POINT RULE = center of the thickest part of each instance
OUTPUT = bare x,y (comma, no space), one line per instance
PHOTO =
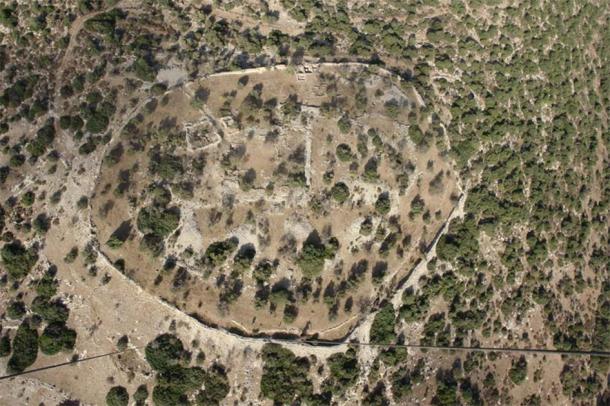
25,348
166,351
382,329
518,371
56,337
117,396
18,260
340,192
285,377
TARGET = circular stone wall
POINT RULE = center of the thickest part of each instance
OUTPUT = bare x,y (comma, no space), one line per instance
275,200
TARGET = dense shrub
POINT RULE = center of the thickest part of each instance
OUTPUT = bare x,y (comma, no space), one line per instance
284,378
117,396
383,203
28,198
292,107
4,172
340,192
370,170
144,68
165,165
446,390
20,91
157,221
216,387
244,257
460,242
382,329
42,223
263,270
518,371
5,346
25,348
344,371
44,138
414,305
246,181
344,152
376,396
105,24
344,124
312,256
180,379
141,394
56,337
164,395
218,252
50,311
166,351
417,205
291,312
9,17
176,382
97,122
114,155
18,260
15,310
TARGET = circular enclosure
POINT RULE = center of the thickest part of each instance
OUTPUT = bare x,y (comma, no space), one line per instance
275,200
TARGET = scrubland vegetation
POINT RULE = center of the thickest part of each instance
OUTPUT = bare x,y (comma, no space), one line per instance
310,200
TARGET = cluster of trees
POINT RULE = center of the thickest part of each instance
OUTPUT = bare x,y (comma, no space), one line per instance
286,380
157,223
383,327
543,187
17,259
314,252
44,311
176,381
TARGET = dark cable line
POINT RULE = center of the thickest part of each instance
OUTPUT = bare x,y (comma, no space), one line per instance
592,353
62,364
516,350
